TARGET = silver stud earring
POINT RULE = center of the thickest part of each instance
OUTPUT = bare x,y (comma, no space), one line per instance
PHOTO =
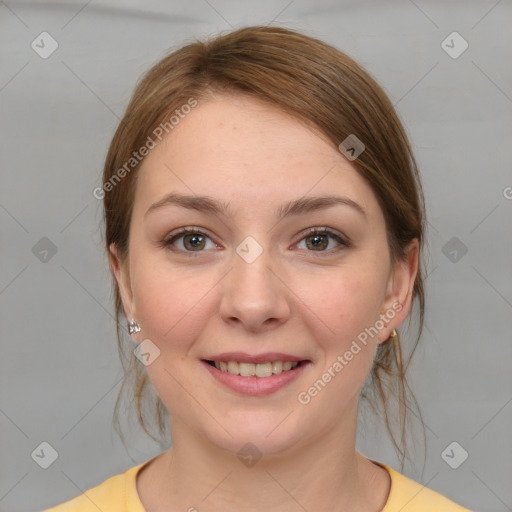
133,327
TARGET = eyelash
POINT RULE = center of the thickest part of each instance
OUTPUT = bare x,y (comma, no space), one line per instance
344,242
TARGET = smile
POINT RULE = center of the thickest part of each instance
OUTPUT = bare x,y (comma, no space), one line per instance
256,379
251,370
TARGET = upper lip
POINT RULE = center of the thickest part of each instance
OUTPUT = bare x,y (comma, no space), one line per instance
242,357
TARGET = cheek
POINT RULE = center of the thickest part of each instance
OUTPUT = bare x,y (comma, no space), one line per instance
344,305
171,308
172,312
345,309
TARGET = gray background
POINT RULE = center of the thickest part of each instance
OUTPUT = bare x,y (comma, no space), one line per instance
59,371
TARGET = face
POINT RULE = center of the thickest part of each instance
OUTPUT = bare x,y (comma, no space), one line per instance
261,275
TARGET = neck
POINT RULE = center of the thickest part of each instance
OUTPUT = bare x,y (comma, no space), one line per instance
326,473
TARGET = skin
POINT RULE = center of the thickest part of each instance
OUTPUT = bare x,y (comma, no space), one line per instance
294,298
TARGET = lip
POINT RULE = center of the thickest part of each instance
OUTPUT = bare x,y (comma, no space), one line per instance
256,386
243,357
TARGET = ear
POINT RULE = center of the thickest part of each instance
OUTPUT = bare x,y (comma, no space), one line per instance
120,270
400,289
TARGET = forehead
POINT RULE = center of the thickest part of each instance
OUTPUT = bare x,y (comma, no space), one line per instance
247,152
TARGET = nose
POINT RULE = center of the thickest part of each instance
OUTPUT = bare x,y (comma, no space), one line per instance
254,295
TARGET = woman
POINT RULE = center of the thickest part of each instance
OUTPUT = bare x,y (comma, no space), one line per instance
264,225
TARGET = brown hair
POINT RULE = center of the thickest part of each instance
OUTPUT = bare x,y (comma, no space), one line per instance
317,84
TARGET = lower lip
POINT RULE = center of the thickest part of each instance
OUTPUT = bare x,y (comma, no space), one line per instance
256,386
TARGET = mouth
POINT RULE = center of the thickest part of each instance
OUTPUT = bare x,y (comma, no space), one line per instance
260,370
255,375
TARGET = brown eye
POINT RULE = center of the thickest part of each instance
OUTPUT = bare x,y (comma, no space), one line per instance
317,240
193,240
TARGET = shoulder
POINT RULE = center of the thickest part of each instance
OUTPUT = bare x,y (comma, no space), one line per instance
407,495
116,494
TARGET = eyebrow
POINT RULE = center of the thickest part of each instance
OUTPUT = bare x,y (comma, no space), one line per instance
299,206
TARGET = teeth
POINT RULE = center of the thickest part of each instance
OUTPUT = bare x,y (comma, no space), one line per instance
263,369
277,367
258,370
247,369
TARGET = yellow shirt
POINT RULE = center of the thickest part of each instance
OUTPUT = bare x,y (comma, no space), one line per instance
119,494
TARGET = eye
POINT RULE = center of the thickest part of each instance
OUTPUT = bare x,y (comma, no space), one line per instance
317,239
194,240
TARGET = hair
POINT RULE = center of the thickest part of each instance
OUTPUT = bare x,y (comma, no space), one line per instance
318,85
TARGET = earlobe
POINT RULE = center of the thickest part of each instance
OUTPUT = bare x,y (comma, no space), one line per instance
400,290
120,271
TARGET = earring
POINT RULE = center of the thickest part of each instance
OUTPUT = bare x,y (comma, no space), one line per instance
133,327
393,334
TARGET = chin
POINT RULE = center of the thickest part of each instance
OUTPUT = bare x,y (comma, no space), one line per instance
264,434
